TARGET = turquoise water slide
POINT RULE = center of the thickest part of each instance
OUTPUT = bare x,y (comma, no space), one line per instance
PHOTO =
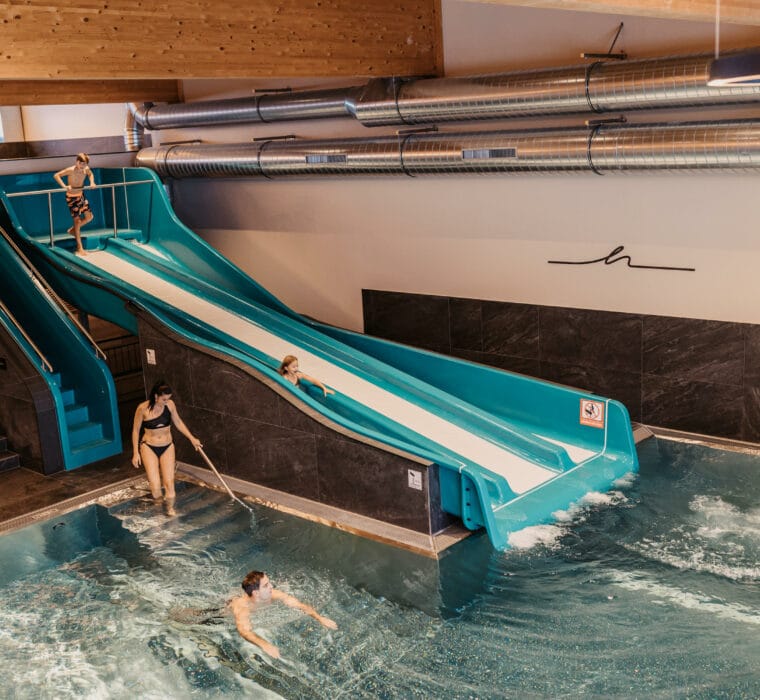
511,450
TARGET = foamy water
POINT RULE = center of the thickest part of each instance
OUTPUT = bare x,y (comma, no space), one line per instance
648,591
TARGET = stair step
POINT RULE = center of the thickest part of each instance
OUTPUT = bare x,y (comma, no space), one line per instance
91,444
86,432
68,397
9,460
77,413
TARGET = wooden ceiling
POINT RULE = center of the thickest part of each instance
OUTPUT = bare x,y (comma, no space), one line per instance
732,11
136,50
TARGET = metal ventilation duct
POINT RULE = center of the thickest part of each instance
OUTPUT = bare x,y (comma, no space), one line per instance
133,132
679,81
604,149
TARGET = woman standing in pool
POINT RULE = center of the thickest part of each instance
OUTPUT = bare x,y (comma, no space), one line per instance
289,370
152,444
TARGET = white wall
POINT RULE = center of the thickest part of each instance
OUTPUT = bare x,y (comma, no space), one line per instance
47,122
317,242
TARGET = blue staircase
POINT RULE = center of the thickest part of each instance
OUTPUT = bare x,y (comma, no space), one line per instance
77,377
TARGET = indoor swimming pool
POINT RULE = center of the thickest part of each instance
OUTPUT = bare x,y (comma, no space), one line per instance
649,591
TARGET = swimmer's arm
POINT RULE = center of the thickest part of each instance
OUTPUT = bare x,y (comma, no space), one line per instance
59,175
292,602
196,443
316,382
136,423
244,629
91,176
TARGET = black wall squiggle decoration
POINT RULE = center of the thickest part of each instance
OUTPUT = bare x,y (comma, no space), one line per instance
610,258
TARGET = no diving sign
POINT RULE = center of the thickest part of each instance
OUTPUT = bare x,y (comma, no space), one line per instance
592,413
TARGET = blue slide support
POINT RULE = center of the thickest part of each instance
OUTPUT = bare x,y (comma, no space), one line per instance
578,442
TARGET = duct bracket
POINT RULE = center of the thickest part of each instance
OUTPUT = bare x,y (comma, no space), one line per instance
609,55
404,135
595,125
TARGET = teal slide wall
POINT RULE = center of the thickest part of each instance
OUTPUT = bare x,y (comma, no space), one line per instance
538,424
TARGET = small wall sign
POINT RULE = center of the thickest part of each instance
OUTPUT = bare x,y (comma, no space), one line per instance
592,413
150,356
414,479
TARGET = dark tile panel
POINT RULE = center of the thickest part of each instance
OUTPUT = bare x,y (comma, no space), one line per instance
172,366
591,338
701,407
510,329
273,456
466,324
621,386
521,365
692,349
414,319
228,390
377,485
209,427
751,416
752,355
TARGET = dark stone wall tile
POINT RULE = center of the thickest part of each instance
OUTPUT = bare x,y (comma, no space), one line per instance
228,390
621,386
510,329
591,338
414,319
706,351
172,366
466,324
521,365
290,465
272,456
700,407
751,415
290,417
752,355
209,427
377,485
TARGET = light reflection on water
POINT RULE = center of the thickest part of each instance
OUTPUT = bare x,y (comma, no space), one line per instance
652,590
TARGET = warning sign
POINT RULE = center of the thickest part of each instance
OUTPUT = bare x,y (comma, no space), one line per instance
592,413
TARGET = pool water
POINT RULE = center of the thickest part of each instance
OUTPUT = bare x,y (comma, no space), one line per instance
649,591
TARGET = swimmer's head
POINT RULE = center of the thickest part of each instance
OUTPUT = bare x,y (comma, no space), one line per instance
257,585
83,158
286,363
159,389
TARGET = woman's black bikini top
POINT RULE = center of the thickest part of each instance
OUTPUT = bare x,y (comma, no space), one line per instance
162,421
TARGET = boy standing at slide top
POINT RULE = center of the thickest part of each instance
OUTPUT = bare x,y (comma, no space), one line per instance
75,199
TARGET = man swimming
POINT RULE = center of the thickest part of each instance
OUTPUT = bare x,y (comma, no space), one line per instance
257,591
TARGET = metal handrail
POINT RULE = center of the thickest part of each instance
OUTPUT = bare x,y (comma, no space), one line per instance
50,192
45,363
53,190
44,283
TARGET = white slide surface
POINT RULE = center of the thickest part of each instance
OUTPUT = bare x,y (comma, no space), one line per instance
521,474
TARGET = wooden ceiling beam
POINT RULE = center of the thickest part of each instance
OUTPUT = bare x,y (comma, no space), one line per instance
745,12
62,92
99,39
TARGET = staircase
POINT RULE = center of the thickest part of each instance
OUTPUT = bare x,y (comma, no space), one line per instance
8,460
86,440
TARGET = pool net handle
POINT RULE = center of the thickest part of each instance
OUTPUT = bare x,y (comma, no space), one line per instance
224,483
